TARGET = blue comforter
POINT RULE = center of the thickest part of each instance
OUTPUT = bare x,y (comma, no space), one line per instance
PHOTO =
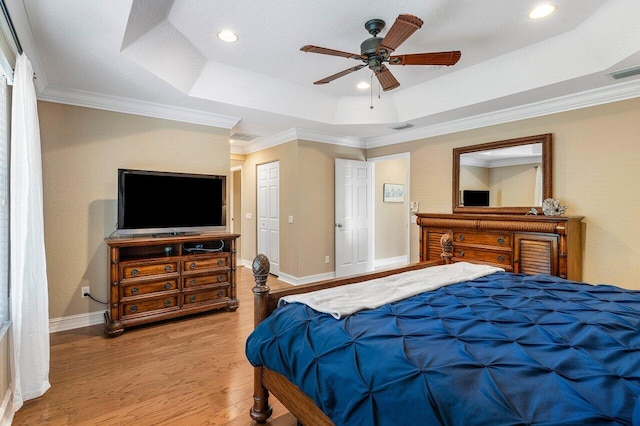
506,349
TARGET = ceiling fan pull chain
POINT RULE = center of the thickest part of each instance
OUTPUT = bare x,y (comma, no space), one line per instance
371,91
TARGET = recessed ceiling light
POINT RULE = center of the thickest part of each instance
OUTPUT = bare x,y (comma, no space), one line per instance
542,11
363,85
228,36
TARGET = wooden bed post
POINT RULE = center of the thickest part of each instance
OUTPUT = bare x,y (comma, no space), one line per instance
261,409
446,242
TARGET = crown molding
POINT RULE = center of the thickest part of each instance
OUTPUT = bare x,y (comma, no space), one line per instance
314,136
603,95
131,106
612,93
304,134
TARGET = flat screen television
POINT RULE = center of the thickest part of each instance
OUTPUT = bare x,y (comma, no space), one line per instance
475,198
154,202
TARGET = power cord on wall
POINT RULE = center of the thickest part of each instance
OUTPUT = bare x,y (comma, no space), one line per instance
94,299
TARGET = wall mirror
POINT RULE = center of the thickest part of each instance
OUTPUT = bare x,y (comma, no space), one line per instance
503,177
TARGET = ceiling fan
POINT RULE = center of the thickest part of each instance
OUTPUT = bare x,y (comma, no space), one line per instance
375,51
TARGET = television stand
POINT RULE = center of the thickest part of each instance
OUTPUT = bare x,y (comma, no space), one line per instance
160,277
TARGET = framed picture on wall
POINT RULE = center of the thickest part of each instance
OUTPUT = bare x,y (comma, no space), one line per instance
393,193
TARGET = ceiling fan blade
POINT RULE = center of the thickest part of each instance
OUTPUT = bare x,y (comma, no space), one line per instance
401,30
436,58
325,51
386,79
338,75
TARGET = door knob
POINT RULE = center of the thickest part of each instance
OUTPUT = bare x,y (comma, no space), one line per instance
339,225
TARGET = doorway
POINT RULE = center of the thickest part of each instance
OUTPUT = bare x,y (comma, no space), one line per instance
353,218
235,209
268,186
392,216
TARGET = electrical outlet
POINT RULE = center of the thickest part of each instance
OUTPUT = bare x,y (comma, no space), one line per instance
326,259
85,290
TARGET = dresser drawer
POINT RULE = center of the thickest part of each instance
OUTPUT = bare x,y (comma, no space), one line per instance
477,254
195,264
137,270
483,238
146,287
147,305
206,296
200,280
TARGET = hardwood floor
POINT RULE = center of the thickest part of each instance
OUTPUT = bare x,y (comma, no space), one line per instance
190,371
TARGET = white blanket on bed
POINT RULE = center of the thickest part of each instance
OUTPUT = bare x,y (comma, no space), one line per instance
349,299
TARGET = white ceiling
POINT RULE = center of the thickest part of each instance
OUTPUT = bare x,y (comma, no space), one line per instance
162,58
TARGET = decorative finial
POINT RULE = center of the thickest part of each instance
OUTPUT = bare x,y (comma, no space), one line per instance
261,267
446,242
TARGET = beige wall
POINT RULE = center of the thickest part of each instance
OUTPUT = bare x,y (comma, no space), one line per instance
596,172
391,218
512,185
505,184
596,158
82,149
306,193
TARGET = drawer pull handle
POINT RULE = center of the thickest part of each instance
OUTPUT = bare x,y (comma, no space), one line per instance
220,278
133,308
461,237
167,286
134,272
168,268
192,282
192,299
220,293
167,303
220,262
501,258
193,265
461,253
134,290
500,240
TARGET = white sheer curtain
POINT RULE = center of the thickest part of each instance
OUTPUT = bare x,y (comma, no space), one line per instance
537,201
28,279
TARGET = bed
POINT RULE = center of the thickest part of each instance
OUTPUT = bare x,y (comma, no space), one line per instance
499,349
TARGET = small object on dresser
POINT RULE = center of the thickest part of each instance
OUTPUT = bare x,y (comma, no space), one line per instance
551,207
532,212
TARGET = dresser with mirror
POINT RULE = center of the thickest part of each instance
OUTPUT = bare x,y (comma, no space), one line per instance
497,194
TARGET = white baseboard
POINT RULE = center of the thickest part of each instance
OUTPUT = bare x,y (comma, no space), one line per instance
76,321
6,409
390,262
378,264
290,279
306,280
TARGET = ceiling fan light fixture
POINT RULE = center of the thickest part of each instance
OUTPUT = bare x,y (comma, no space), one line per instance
228,36
542,11
363,85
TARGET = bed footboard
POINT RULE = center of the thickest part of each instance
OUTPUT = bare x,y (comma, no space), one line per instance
265,302
261,410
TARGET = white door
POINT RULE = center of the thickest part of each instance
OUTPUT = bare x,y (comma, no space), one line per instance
354,248
269,214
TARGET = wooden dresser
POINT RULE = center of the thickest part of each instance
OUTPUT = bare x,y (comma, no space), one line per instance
518,243
152,279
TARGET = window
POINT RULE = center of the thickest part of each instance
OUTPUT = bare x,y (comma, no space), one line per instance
4,201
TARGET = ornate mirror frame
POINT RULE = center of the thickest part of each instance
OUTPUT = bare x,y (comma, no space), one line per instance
547,177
